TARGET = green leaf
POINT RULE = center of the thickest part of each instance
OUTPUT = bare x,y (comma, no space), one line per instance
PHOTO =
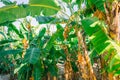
11,51
36,41
99,4
16,30
99,40
102,43
38,70
32,55
43,19
79,2
74,66
19,68
7,2
57,34
67,1
89,25
7,41
41,33
23,70
97,36
35,7
37,73
114,67
53,69
117,73
3,34
114,62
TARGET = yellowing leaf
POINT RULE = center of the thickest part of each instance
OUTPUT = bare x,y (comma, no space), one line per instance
99,14
31,78
25,43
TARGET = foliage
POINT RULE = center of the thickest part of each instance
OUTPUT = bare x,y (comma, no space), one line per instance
35,55
13,11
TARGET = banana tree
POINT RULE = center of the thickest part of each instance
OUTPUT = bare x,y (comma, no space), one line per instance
82,34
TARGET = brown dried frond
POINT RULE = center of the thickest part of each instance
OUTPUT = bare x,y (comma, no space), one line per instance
99,14
66,32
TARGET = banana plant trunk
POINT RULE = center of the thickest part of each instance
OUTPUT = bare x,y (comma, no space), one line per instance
83,59
113,20
112,10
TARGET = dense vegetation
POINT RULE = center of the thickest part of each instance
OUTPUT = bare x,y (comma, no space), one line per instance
73,40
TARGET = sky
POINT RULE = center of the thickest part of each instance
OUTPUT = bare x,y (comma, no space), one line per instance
1,4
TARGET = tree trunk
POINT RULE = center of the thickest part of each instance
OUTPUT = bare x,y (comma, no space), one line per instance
84,60
113,21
